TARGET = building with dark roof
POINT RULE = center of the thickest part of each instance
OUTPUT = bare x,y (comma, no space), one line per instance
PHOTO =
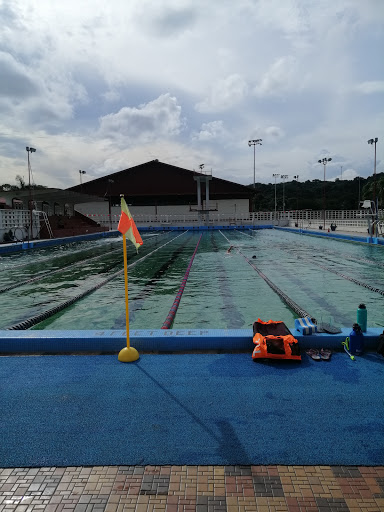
154,190
155,183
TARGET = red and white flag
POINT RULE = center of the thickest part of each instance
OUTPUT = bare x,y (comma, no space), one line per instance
127,225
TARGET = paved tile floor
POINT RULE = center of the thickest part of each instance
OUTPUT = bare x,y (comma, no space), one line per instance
193,488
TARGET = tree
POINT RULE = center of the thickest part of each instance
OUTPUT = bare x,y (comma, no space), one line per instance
368,189
20,180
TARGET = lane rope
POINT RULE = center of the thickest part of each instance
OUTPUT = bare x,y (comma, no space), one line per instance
53,272
30,322
172,312
284,297
352,279
340,274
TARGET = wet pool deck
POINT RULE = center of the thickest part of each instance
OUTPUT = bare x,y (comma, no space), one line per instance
193,488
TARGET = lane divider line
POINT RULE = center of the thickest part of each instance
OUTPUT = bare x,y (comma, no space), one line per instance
288,301
172,312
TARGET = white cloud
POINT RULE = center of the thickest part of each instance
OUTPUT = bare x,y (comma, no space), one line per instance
105,85
158,118
349,174
280,78
224,94
371,87
210,131
111,96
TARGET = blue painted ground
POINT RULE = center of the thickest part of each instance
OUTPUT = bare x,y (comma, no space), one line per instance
190,409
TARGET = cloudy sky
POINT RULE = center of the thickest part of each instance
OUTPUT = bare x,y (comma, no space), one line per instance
102,86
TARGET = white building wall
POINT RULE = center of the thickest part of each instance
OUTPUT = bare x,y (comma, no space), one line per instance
147,214
227,206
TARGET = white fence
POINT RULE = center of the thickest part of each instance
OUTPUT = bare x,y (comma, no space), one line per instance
17,222
353,218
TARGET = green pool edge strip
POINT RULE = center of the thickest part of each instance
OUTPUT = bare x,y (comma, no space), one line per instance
159,340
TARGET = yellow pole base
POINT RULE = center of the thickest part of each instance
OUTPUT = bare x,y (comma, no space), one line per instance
128,355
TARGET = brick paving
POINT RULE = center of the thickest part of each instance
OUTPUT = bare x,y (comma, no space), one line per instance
193,488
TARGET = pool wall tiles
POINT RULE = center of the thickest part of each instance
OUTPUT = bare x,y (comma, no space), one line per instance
159,340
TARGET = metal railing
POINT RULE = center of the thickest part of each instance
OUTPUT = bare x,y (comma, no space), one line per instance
352,219
357,218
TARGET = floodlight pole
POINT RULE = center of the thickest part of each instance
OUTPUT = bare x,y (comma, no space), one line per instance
284,177
358,203
374,141
30,150
275,176
324,161
297,196
254,143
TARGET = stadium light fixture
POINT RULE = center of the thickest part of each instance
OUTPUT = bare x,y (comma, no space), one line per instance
275,176
254,143
374,142
30,150
284,177
324,161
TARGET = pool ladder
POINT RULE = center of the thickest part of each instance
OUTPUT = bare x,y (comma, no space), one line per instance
48,225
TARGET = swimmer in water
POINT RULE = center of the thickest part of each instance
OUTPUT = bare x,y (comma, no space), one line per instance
230,249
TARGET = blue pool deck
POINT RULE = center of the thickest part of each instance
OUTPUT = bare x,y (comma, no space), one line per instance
191,432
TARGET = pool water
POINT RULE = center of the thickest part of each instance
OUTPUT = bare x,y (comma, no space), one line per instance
222,292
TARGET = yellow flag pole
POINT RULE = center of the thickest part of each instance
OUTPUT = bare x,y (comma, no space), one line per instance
128,354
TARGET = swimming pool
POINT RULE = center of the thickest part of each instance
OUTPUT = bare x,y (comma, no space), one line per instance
224,290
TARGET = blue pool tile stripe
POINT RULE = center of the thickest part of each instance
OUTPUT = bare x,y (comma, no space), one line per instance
159,340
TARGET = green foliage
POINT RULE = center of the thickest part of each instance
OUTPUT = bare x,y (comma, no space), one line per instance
339,194
6,187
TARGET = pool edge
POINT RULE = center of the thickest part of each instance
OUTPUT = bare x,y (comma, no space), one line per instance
158,340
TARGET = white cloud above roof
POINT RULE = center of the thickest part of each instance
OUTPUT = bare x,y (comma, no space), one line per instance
102,85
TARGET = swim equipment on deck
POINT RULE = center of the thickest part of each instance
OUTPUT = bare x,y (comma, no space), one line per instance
305,325
356,340
274,340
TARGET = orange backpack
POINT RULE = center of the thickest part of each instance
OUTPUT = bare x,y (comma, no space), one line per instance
273,340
